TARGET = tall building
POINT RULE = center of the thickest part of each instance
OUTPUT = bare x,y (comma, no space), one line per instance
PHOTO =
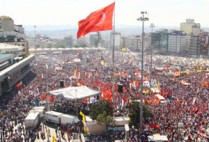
6,24
68,41
147,41
11,33
194,45
199,44
14,62
176,41
204,45
160,40
117,36
190,27
82,42
94,40
133,43
170,41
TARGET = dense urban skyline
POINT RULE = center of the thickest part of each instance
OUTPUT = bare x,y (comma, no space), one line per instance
68,12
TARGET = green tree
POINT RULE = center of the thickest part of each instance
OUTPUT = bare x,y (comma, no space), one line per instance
99,108
134,112
104,119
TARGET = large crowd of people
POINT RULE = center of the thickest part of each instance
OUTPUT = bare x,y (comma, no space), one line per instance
184,116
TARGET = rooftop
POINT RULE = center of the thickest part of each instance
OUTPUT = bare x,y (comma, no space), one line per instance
10,46
4,57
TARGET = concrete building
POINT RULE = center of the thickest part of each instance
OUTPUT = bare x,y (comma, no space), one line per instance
160,40
94,40
14,59
199,44
6,60
82,42
147,41
13,66
68,41
6,24
190,27
170,41
194,45
176,42
133,43
117,36
204,45
13,73
12,34
12,49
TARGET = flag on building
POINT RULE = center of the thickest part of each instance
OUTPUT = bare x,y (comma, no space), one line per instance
19,85
99,20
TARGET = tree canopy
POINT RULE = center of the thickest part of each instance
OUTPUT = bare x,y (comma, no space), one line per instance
134,112
102,112
100,107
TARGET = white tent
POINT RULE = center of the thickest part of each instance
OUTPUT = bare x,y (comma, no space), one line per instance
74,93
157,138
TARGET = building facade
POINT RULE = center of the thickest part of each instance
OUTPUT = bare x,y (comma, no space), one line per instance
68,41
11,33
198,45
117,36
6,24
190,27
133,43
93,40
177,42
14,59
160,40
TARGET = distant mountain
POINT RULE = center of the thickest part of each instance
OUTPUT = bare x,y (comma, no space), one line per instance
61,31
57,34
53,31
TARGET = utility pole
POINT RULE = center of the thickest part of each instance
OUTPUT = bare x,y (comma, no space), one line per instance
152,26
142,66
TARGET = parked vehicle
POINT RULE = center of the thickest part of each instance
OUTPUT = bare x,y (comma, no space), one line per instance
60,118
32,120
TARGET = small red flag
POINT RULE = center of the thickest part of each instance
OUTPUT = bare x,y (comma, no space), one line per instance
99,20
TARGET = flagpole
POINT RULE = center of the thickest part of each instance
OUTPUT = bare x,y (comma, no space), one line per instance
113,60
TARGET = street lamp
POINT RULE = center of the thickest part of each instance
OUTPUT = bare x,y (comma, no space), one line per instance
142,68
151,26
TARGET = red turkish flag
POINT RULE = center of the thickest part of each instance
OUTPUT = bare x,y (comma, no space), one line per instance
99,20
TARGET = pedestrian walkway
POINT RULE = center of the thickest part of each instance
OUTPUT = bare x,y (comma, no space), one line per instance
50,135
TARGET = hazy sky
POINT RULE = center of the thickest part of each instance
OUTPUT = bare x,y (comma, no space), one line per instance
69,12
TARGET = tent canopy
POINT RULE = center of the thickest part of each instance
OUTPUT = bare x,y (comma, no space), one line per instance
157,138
75,93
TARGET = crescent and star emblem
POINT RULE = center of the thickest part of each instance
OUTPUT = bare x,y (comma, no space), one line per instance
101,21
